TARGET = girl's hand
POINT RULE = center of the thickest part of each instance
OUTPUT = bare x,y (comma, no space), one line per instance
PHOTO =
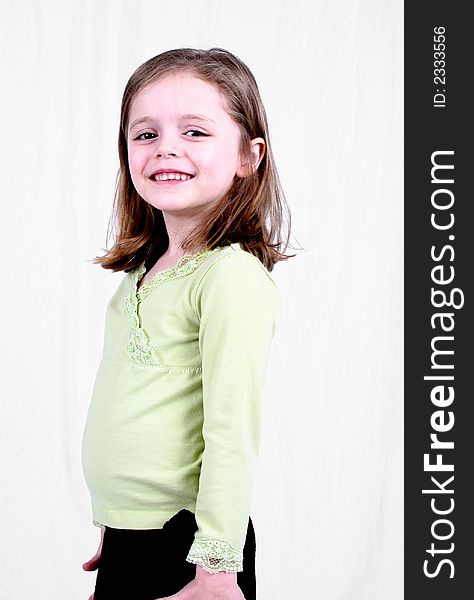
209,586
93,563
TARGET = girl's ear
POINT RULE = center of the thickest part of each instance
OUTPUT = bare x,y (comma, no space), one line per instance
258,150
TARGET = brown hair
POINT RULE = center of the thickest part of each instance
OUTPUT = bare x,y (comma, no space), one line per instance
242,214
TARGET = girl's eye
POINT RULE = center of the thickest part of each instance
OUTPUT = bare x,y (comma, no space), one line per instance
142,134
197,131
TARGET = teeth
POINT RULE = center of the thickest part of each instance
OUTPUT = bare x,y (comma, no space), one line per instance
166,176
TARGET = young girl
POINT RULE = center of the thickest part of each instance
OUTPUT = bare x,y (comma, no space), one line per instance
173,428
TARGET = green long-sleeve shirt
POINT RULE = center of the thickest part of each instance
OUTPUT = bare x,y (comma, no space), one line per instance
175,415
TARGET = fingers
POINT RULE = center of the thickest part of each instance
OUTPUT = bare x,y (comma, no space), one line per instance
92,564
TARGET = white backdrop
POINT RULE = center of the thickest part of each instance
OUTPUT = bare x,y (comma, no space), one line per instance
327,502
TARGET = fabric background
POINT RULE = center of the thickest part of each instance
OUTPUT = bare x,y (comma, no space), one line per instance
327,503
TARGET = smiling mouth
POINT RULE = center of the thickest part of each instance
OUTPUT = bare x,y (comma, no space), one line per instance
171,177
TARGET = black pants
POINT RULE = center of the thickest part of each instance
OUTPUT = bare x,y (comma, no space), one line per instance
147,564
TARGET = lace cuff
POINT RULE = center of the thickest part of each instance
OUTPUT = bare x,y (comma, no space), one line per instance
215,556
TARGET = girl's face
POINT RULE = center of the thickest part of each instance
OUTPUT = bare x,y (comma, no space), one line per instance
179,123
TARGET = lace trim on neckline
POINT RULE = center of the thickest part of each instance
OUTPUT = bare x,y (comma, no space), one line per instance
185,265
215,556
138,347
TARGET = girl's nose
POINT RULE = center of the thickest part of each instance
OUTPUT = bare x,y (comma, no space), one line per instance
161,152
166,145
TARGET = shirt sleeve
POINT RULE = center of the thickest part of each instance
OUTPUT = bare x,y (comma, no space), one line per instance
238,304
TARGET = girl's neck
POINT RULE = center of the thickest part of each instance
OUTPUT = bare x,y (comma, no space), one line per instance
178,252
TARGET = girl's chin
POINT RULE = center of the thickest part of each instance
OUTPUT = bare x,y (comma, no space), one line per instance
176,204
